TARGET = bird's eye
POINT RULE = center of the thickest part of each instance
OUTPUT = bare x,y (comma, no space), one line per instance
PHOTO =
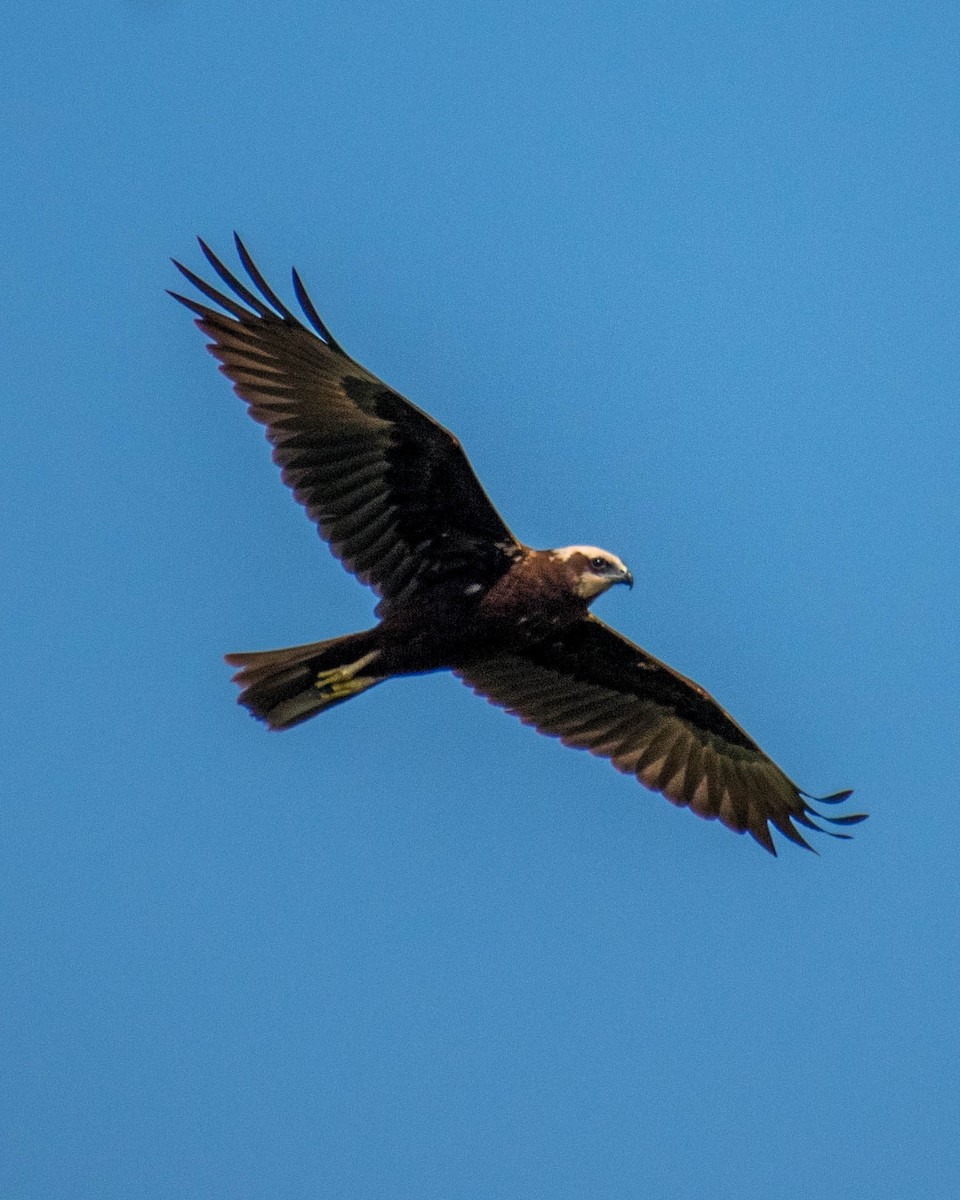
599,564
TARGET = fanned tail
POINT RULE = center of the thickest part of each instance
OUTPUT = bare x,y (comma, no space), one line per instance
284,687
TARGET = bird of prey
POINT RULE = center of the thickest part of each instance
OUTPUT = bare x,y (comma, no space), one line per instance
394,495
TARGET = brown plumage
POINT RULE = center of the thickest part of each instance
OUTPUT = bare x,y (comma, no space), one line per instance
394,495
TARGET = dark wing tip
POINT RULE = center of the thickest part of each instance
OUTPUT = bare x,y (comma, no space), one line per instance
833,798
852,819
237,311
267,305
260,283
805,818
311,313
195,307
789,830
762,836
263,310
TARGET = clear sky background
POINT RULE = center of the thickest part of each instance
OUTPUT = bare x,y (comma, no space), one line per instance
684,279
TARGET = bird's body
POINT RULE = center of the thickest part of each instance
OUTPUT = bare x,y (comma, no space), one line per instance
394,495
450,626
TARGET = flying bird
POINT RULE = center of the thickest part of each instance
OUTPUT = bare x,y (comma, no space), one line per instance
393,494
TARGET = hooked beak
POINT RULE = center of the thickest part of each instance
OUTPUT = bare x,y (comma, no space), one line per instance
627,578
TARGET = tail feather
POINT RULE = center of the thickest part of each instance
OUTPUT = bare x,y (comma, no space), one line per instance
285,687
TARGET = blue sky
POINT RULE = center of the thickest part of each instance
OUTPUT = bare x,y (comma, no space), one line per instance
684,279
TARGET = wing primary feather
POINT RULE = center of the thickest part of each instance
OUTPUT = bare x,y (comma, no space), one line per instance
833,798
201,310
789,830
231,306
806,820
753,792
757,822
312,315
853,819
761,834
234,284
266,290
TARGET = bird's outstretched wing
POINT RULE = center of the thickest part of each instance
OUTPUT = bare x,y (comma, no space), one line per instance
597,691
390,489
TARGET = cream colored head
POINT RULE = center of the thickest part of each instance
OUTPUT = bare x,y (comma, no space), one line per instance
594,569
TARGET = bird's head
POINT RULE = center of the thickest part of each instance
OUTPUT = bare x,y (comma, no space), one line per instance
594,570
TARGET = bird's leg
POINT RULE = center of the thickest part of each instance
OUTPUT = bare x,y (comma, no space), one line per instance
341,681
